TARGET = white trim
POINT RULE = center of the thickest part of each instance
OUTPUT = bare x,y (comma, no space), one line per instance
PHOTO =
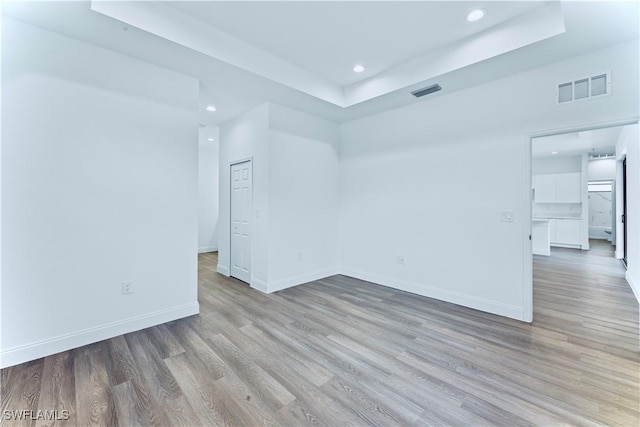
566,246
470,301
635,286
207,249
24,353
544,252
585,127
223,269
303,278
527,233
260,285
278,285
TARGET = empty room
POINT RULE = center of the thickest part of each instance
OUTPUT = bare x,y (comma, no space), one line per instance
334,213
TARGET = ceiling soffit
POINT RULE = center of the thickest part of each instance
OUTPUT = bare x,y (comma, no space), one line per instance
169,23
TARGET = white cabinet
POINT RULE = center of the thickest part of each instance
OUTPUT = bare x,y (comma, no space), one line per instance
558,188
545,188
568,187
565,232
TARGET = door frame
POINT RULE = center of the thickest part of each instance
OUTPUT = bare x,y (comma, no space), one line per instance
527,279
625,230
229,166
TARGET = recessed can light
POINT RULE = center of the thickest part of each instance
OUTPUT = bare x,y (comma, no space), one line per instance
211,108
476,15
358,68
554,152
210,139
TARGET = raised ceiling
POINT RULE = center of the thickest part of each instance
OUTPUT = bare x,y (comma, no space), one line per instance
312,46
329,38
240,70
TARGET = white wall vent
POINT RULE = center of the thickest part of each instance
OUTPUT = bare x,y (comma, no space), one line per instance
584,88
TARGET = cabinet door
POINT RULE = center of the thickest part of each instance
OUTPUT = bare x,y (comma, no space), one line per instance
552,231
569,188
545,188
568,231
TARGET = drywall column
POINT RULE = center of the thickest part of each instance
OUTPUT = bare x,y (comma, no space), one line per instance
208,188
303,198
99,187
294,235
244,138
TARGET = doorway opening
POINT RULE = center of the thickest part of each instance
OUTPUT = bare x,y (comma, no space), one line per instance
601,208
573,181
563,163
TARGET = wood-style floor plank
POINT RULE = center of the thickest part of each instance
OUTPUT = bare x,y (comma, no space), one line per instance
58,390
341,351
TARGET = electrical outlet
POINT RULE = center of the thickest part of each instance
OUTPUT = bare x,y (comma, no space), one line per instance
400,259
127,287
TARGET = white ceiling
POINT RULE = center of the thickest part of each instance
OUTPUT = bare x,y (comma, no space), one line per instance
349,28
329,38
235,86
599,141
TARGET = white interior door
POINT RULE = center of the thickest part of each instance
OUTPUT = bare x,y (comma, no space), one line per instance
241,206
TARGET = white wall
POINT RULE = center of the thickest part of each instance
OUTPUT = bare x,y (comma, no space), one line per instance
295,195
602,169
549,165
303,198
208,188
99,185
429,181
246,137
628,146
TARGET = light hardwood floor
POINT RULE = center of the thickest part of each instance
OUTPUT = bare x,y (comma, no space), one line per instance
342,351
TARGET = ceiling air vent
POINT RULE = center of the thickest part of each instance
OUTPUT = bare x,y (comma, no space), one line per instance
426,90
584,88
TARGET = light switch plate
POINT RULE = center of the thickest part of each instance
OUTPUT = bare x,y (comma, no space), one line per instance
506,216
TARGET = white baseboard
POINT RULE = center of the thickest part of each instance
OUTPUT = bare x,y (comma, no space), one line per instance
223,269
489,306
635,285
304,278
278,285
539,251
567,246
207,249
260,285
24,353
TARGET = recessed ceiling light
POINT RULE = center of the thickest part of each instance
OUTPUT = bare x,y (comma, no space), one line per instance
211,108
476,15
358,68
554,152
210,139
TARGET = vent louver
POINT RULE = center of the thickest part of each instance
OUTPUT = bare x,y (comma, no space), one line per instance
584,88
426,90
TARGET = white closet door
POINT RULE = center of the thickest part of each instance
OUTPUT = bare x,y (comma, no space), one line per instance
241,207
